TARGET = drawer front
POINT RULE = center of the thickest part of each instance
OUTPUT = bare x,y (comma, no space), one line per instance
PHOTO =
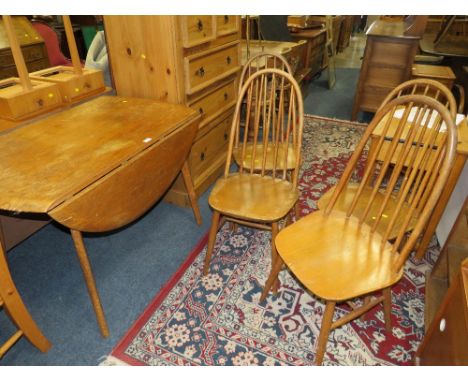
227,24
33,52
215,102
207,149
197,30
204,70
30,53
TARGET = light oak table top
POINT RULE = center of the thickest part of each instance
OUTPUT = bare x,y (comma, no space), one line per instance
46,162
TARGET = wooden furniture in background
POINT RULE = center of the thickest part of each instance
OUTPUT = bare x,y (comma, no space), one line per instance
262,191
11,302
443,74
95,167
446,340
32,47
345,33
330,242
74,82
293,52
388,59
190,60
315,50
444,272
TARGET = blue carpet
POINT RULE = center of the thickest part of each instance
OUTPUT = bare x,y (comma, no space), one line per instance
130,266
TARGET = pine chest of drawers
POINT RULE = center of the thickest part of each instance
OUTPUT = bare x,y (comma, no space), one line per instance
192,60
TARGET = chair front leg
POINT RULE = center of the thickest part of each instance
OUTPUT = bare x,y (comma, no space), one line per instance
275,270
211,241
324,332
387,303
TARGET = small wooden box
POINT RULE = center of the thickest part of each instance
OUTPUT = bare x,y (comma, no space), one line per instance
72,86
17,103
442,74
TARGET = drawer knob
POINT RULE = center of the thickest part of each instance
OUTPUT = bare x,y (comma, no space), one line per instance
200,72
200,25
201,111
225,136
87,85
40,102
226,19
202,156
442,325
226,96
228,60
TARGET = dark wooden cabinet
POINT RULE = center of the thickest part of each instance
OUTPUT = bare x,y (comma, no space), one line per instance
388,59
32,46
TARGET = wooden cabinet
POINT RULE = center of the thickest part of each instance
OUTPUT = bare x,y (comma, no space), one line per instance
192,60
446,341
32,46
316,39
388,59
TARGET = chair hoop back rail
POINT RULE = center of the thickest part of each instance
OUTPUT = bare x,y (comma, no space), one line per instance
427,87
271,60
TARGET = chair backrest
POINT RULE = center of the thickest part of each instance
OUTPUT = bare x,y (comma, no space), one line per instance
272,122
427,87
263,60
56,57
425,137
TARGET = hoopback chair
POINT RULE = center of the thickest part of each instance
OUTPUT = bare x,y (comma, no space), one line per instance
260,193
339,255
426,87
13,305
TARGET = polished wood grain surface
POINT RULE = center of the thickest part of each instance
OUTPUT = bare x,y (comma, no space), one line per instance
341,275
45,163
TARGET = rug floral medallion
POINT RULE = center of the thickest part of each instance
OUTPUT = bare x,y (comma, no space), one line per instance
218,320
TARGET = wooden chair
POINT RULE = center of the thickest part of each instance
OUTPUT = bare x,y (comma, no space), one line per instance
259,193
435,90
337,255
13,305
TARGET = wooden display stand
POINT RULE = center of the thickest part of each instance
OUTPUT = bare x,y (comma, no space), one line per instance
32,46
75,83
22,98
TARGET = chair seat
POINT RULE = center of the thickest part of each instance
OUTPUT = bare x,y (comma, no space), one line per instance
336,258
270,154
346,197
253,197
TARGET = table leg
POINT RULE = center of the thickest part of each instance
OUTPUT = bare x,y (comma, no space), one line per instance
440,206
14,306
89,279
191,192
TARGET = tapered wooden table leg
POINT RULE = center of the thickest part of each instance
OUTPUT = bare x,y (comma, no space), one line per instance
441,204
13,304
89,279
191,192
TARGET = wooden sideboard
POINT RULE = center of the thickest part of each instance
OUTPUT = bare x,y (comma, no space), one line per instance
388,59
32,46
190,60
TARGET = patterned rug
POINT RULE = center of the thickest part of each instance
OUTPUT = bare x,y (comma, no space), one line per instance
218,320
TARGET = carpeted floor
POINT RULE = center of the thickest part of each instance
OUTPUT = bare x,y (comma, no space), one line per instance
218,320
